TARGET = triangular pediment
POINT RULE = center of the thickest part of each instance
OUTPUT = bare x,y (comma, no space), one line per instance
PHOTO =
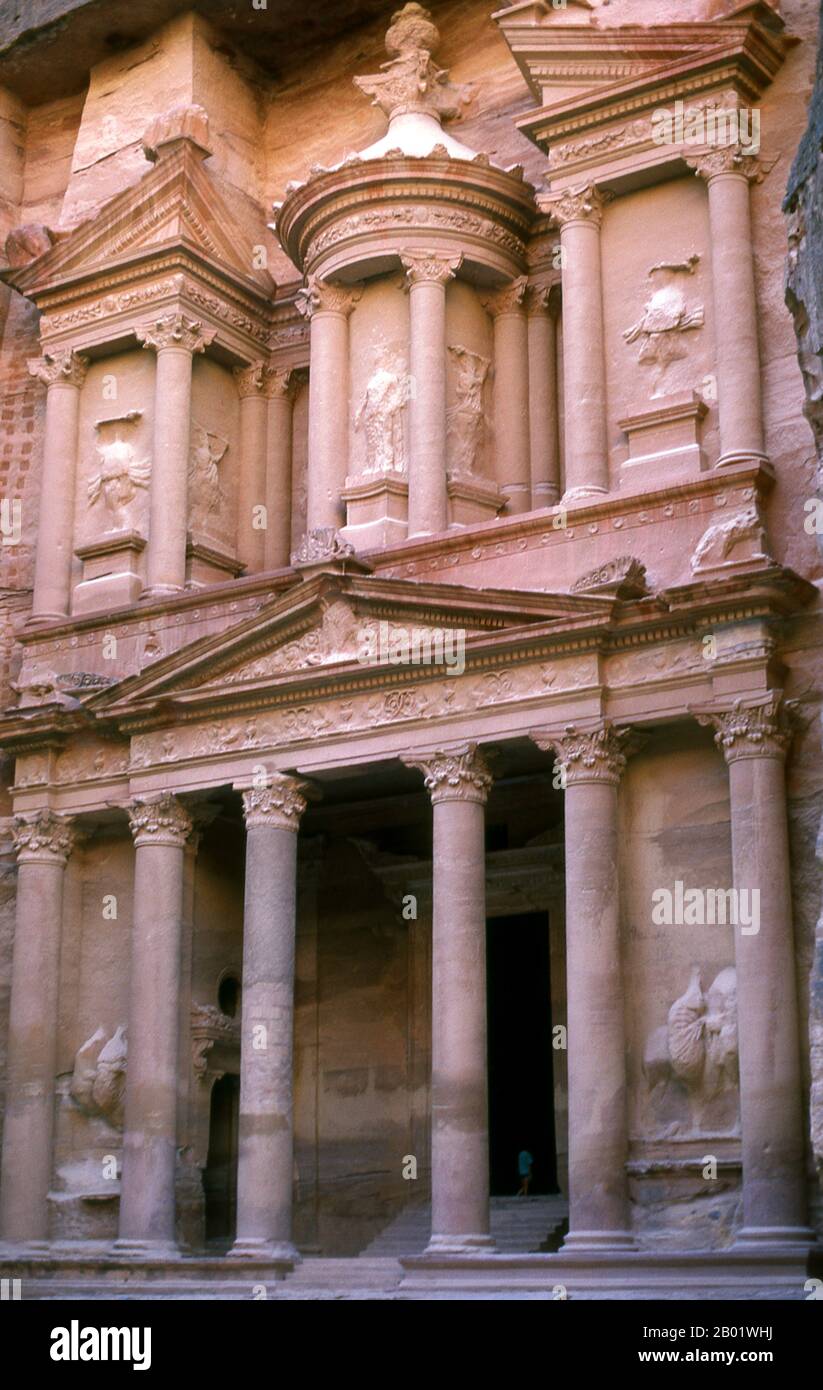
335,626
176,205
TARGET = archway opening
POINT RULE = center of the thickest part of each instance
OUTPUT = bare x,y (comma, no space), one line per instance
220,1175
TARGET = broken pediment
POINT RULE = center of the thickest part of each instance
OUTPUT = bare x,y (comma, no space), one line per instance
175,206
343,623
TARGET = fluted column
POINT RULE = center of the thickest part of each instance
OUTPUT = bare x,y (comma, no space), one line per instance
427,275
63,373
251,488
579,214
281,388
328,307
44,842
160,827
175,338
737,354
754,737
543,441
459,783
593,761
264,1173
511,393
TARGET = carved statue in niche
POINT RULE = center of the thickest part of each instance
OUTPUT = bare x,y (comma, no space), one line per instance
98,1082
120,473
665,318
205,493
691,1063
380,415
466,419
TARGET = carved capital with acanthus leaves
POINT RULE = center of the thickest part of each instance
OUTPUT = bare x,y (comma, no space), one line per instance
258,380
43,837
728,160
762,727
460,774
576,205
281,804
510,299
429,267
64,368
159,819
598,754
175,332
537,300
325,297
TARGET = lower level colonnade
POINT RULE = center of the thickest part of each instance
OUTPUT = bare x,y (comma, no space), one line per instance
754,738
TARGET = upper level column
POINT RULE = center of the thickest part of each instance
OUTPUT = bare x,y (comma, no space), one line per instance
543,436
592,763
281,387
511,393
175,338
427,275
63,374
754,737
44,841
327,305
579,215
251,491
728,175
459,783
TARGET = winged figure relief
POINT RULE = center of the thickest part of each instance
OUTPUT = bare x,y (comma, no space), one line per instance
119,476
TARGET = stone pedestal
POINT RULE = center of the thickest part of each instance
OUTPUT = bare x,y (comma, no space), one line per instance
44,842
664,442
265,1164
459,783
112,572
377,511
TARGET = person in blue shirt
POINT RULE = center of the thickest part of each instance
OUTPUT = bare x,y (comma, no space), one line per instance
524,1168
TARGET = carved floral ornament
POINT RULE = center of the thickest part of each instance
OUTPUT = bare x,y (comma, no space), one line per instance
508,300
64,368
726,161
325,297
43,836
258,379
175,331
752,729
429,268
461,774
585,204
592,755
281,804
159,819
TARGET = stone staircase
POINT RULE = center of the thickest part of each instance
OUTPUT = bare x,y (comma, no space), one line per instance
519,1225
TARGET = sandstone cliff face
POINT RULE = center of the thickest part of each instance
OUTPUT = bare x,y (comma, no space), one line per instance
804,296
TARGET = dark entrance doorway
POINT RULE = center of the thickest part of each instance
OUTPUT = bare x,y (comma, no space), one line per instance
521,1083
220,1176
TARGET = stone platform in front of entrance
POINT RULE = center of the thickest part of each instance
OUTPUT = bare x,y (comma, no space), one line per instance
780,1274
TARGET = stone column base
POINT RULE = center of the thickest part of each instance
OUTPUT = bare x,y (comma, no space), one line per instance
279,1250
460,1245
146,1249
599,1240
774,1237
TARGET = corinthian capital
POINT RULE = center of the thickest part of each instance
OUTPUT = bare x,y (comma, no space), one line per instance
175,331
250,380
430,267
537,299
281,804
576,205
44,837
508,300
758,728
325,297
728,159
159,819
66,368
589,755
460,774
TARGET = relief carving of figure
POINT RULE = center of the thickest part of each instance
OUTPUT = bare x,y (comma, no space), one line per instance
665,318
120,473
466,419
98,1082
205,492
380,416
691,1063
